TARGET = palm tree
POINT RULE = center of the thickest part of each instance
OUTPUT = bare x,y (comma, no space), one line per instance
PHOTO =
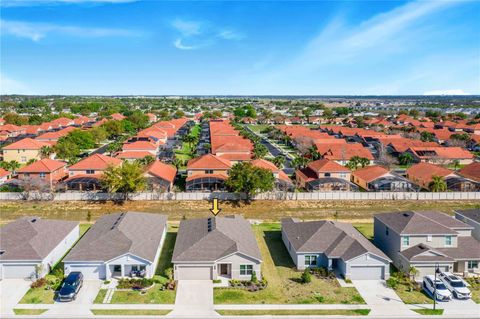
46,151
177,162
146,160
413,272
300,162
363,161
353,162
437,184
313,153
456,164
405,158
12,166
279,161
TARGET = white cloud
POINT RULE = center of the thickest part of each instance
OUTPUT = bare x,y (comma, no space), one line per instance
187,27
11,86
38,31
179,45
228,34
447,92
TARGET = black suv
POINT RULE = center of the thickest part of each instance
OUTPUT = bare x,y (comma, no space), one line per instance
70,286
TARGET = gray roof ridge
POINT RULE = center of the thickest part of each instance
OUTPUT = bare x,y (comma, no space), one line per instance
202,240
429,219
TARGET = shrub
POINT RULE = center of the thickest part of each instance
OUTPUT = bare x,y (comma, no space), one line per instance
306,276
217,281
348,280
58,272
106,282
131,283
318,297
169,273
254,278
39,283
392,282
159,279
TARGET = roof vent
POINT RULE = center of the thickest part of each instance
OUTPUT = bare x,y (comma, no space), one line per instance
33,220
406,214
422,246
209,224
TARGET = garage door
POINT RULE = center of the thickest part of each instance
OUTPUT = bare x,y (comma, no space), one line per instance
428,270
194,273
18,271
89,271
364,272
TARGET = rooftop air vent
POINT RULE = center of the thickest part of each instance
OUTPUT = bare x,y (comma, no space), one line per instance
406,214
33,220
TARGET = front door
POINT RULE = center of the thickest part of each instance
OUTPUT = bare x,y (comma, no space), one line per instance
117,270
224,269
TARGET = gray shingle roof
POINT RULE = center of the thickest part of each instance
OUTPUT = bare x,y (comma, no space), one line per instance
424,253
227,235
116,234
467,248
473,214
334,239
32,238
411,223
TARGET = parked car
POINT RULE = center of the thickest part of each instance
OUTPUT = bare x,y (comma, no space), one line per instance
436,288
70,286
456,285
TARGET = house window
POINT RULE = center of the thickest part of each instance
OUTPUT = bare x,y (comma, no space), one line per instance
429,237
209,171
246,269
405,241
448,240
90,171
386,231
472,264
24,159
42,175
343,175
326,174
310,260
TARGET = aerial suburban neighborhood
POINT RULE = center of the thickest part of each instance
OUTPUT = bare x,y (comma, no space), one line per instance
239,159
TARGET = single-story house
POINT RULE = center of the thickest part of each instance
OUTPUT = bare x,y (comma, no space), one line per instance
378,178
31,246
216,247
336,246
118,245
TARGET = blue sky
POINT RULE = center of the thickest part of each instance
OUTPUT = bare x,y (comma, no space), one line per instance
245,47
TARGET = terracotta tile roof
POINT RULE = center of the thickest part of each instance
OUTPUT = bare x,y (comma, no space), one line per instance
32,129
96,162
162,170
325,165
100,122
27,144
422,172
56,135
11,128
133,154
62,122
209,161
401,145
118,116
140,145
46,126
370,173
153,131
271,167
197,176
441,134
343,151
471,171
45,165
441,152
4,172
236,156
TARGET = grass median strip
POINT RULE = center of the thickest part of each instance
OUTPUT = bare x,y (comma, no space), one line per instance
319,312
429,312
129,312
38,295
28,312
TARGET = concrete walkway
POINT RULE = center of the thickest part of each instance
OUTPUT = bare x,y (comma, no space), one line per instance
11,292
382,300
194,299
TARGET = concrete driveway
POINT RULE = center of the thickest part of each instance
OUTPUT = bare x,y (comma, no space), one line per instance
194,299
11,291
81,305
381,299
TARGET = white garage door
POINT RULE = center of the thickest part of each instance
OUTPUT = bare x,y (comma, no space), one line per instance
89,271
18,271
194,273
428,270
366,273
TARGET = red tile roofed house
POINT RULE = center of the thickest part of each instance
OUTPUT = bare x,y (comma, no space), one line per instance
227,143
82,120
398,145
282,181
118,116
151,117
4,175
161,176
10,130
61,123
53,137
138,149
46,126
324,175
422,174
23,151
100,122
378,178
441,155
441,135
32,130
471,171
207,172
342,153
86,173
131,156
48,170
155,133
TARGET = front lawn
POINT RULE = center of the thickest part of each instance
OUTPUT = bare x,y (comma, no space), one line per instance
429,312
320,312
366,229
129,312
151,296
100,296
283,280
28,312
474,287
410,293
38,295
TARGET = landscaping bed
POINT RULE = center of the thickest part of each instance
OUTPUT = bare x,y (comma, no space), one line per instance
155,295
129,312
320,312
43,290
409,291
284,281
474,286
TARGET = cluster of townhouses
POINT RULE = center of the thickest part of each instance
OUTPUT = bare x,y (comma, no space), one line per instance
123,244
221,146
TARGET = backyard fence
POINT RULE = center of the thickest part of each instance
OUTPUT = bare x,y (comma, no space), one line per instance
224,196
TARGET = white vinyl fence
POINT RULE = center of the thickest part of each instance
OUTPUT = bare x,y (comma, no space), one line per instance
317,196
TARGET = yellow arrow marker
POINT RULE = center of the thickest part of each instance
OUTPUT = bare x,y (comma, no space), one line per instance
215,210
